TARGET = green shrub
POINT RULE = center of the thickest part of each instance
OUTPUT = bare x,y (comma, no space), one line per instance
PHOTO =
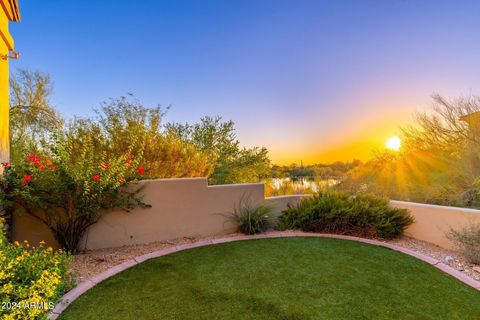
31,280
467,240
68,186
338,212
251,219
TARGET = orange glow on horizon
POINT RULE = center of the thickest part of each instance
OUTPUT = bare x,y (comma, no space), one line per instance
347,146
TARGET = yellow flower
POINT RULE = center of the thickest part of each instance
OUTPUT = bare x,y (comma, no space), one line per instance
40,286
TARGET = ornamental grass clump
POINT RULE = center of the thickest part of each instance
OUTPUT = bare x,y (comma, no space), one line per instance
467,240
338,212
32,279
251,219
69,185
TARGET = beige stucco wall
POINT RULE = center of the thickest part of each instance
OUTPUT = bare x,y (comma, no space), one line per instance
26,227
191,208
281,203
432,222
180,208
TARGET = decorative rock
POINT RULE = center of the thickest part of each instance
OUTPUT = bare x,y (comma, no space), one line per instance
476,269
448,259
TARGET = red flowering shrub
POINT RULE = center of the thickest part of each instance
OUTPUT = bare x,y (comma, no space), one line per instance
68,186
26,180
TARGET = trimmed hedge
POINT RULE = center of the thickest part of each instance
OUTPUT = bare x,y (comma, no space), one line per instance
338,212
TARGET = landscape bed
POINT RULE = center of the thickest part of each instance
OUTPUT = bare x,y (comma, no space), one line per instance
283,278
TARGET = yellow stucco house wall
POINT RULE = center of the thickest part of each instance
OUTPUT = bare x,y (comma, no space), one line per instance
8,12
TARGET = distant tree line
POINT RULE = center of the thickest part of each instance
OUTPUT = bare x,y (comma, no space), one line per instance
320,171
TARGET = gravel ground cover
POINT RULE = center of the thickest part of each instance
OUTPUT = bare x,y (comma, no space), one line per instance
92,262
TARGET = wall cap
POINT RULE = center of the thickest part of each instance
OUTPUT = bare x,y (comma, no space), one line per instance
290,196
435,206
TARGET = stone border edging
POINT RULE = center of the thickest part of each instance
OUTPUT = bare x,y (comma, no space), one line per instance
84,286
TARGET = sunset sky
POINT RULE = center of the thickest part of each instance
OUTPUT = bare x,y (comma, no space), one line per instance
316,81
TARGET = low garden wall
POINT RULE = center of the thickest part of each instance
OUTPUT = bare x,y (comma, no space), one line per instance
432,223
191,208
180,208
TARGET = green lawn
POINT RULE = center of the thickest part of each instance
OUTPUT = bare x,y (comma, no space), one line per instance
285,278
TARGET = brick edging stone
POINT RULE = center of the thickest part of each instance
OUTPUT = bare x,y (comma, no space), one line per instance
84,286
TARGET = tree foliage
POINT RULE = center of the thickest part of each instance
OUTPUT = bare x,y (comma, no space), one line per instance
208,148
231,162
69,185
123,121
32,117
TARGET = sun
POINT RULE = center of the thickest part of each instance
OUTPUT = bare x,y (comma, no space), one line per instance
394,143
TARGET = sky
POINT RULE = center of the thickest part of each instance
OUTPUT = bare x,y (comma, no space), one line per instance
317,81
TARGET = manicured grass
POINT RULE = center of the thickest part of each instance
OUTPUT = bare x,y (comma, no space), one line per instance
286,278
